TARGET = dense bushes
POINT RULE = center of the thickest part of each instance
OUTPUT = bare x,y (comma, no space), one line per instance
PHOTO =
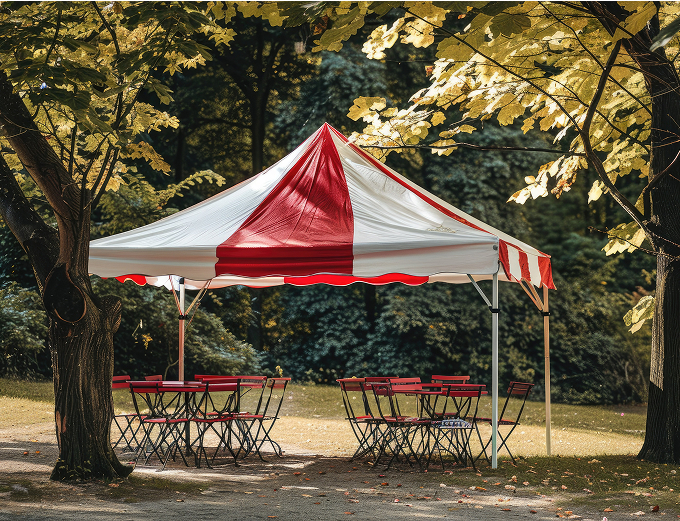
23,333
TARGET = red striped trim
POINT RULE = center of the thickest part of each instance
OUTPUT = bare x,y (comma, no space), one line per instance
505,260
345,280
545,266
140,280
524,265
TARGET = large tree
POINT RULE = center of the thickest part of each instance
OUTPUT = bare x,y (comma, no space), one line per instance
590,72
72,122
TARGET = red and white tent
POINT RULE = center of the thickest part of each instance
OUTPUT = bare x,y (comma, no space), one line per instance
326,213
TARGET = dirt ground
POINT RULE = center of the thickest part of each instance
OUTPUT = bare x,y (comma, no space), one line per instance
315,479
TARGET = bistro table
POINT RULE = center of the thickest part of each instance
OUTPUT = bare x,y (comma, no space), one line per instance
166,410
440,421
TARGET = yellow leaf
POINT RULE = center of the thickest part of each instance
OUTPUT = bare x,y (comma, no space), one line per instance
507,114
364,105
596,191
437,118
636,21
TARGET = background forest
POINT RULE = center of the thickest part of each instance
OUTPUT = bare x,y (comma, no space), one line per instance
251,104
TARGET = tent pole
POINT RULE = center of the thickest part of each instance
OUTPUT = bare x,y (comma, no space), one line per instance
546,342
494,373
181,328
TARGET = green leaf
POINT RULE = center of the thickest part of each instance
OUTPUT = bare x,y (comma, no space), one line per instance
509,24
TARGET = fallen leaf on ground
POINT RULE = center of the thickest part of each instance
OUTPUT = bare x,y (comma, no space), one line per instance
608,509
638,513
655,508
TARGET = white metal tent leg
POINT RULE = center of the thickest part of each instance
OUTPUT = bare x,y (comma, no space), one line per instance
546,342
181,329
494,373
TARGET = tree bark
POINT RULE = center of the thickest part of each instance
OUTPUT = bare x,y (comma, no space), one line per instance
81,326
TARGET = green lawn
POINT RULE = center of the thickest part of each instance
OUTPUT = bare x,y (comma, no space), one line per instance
325,401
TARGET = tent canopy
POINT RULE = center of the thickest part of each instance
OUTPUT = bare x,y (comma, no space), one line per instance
328,213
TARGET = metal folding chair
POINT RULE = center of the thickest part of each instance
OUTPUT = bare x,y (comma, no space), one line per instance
452,432
216,415
366,425
403,435
274,392
164,415
127,425
519,390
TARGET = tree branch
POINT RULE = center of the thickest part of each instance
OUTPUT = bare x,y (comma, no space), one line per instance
37,156
477,147
594,159
39,240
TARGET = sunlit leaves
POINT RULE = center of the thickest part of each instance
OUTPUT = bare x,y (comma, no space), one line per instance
345,25
364,106
636,21
80,67
643,310
539,62
144,150
506,24
564,170
625,237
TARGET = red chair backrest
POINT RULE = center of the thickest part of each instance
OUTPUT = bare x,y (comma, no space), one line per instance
120,382
405,381
277,383
351,384
153,378
450,379
520,388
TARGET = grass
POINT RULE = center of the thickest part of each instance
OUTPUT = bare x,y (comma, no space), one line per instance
38,391
620,482
325,402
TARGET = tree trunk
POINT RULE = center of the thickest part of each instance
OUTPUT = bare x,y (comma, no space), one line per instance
662,201
81,343
662,436
82,359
